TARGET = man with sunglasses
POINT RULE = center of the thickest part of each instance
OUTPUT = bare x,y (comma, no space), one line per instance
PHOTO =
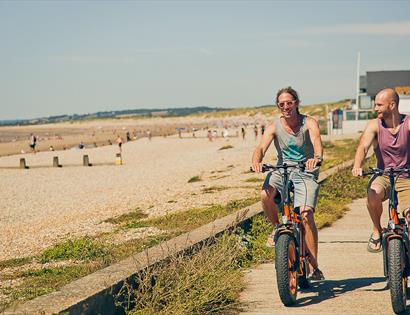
390,135
296,138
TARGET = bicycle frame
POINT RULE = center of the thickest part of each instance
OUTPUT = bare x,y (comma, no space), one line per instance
396,227
291,258
292,221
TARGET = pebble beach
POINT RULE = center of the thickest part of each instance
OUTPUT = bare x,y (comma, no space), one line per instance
42,206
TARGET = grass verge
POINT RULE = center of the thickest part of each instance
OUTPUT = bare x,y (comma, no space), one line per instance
337,152
86,255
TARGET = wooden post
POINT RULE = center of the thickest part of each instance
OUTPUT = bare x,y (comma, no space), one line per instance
118,159
23,163
55,162
86,161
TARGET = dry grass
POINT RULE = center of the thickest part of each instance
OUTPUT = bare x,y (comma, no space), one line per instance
317,110
193,285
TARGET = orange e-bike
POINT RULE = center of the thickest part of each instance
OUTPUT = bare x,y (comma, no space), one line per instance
291,255
395,242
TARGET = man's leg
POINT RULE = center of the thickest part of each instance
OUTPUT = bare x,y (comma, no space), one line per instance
269,206
375,197
311,235
403,194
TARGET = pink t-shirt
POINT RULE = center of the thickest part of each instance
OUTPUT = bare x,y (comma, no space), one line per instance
393,150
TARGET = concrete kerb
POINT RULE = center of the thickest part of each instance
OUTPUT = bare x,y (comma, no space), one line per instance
98,292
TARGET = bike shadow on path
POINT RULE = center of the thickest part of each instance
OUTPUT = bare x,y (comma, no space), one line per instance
330,289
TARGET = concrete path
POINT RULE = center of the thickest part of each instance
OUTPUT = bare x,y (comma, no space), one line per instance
354,277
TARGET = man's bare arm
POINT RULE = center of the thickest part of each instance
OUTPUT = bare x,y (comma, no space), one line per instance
366,140
314,133
262,147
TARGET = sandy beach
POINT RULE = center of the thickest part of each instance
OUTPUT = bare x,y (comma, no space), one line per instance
42,205
96,133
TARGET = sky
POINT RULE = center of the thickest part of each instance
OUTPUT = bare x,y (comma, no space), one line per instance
66,57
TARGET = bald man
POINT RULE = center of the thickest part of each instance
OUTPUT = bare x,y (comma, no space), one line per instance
390,135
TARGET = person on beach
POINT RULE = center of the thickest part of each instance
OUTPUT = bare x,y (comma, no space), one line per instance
225,134
33,142
119,142
296,138
210,135
255,130
389,134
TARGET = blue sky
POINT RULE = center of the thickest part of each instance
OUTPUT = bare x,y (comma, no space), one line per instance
65,57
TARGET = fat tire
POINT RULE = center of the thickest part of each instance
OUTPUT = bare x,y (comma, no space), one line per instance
303,281
281,263
396,274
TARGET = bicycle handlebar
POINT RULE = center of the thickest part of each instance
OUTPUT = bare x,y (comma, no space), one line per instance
269,167
390,170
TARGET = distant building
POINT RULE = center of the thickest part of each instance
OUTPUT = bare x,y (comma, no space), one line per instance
374,81
356,116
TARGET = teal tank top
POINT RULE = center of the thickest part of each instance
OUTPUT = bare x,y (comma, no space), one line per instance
292,147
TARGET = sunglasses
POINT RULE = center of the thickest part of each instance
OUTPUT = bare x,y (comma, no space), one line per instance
287,103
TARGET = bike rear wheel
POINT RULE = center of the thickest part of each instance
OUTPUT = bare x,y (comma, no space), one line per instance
286,268
397,276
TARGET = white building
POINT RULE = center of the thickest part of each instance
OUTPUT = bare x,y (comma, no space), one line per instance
356,117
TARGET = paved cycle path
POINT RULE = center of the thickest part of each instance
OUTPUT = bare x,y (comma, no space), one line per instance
354,277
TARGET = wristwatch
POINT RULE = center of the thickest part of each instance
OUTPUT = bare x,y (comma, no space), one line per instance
320,158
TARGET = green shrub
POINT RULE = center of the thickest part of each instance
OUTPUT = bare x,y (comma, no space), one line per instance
85,248
195,179
128,218
225,147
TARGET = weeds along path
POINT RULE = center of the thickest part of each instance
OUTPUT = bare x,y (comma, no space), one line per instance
354,277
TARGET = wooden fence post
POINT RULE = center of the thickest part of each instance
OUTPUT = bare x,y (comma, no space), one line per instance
86,161
55,162
23,163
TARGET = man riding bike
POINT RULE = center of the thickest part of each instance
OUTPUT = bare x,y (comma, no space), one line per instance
296,138
389,134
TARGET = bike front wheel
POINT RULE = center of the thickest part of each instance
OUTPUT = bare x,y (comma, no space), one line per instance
397,276
303,281
286,268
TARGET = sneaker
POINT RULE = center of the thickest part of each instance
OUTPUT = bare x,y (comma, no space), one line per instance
316,275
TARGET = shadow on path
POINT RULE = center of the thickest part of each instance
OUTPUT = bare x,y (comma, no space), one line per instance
329,289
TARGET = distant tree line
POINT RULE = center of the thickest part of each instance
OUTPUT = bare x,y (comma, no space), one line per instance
183,111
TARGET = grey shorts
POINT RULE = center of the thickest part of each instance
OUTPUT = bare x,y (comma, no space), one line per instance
305,184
